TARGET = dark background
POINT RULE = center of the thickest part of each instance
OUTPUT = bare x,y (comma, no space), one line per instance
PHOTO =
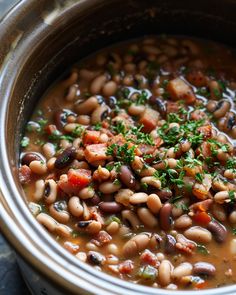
11,282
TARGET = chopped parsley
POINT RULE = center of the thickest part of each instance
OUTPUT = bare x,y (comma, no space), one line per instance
142,98
24,142
122,153
231,196
202,249
199,177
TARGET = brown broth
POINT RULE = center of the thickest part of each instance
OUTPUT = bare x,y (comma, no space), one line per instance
218,63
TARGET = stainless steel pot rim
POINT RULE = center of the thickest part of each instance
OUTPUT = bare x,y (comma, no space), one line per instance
29,239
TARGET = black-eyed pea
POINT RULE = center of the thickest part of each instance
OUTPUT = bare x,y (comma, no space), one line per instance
160,256
103,138
82,256
113,249
123,196
222,156
63,230
211,105
102,173
113,228
94,227
86,193
165,271
77,142
136,110
109,187
137,164
222,197
131,217
48,150
75,207
72,93
83,120
39,190
154,203
38,167
47,221
232,217
91,247
229,173
34,208
86,212
147,218
64,143
99,114
198,234
222,107
97,84
58,210
183,221
109,88
86,107
135,245
152,181
184,269
50,191
138,198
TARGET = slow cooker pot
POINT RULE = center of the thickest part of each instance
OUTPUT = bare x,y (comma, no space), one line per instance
40,40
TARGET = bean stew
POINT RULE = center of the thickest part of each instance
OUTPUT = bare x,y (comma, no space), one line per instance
130,162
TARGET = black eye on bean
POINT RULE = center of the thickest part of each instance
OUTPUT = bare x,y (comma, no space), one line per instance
95,258
60,118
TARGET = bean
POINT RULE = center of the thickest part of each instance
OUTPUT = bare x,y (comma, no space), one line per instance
99,114
82,256
50,191
49,150
83,120
58,210
127,177
222,197
147,218
94,227
95,200
73,91
65,158
110,207
123,196
219,212
29,157
64,143
109,187
151,49
164,194
211,105
136,110
47,221
233,247
138,198
51,163
154,203
95,258
34,208
191,46
88,106
135,245
229,174
113,228
218,231
101,174
109,88
164,274
97,84
74,206
39,190
152,181
198,234
38,167
165,216
63,230
182,270
222,108
131,217
204,268
183,221
86,193
170,244
114,250
232,217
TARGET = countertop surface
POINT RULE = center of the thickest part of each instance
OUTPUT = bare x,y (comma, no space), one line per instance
11,282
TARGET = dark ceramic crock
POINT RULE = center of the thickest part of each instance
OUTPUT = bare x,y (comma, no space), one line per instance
39,40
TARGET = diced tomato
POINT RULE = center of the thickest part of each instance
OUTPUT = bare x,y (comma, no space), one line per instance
74,181
180,90
201,218
149,120
91,136
147,257
206,131
102,238
25,174
201,285
126,267
205,150
117,139
79,178
95,152
201,206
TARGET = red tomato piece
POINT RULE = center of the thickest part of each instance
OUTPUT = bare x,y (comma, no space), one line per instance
180,90
25,174
79,178
201,218
91,136
126,267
